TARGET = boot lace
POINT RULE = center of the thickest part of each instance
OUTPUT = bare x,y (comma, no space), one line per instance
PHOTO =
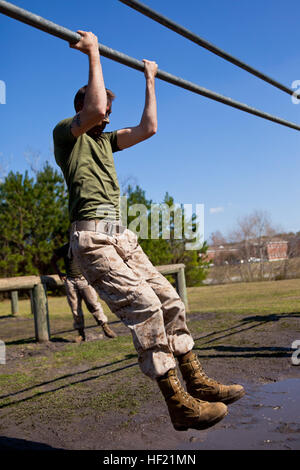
193,402
204,376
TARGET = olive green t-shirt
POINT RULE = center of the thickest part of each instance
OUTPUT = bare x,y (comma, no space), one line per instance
89,170
71,266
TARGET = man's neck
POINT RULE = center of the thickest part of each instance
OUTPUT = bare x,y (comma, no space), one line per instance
95,132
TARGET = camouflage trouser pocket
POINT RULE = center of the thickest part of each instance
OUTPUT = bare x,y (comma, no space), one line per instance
92,250
149,334
137,306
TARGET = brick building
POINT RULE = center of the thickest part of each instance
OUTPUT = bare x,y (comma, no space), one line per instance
222,253
272,250
276,250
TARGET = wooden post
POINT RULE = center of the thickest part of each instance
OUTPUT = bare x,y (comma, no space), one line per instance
182,287
14,302
41,321
31,301
176,283
2,352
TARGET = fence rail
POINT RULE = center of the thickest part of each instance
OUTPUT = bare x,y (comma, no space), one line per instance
38,285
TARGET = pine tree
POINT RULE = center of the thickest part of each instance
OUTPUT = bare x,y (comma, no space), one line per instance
167,248
33,219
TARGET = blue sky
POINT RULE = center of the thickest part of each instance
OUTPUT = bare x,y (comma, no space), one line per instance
204,152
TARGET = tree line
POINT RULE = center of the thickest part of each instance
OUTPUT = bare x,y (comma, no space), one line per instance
34,221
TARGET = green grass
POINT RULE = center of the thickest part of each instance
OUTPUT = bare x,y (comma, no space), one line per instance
21,329
65,381
103,375
58,307
24,308
90,352
255,298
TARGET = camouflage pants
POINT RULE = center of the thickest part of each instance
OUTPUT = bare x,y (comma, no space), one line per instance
138,294
79,289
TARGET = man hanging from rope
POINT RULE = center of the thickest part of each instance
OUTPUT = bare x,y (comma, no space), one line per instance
112,260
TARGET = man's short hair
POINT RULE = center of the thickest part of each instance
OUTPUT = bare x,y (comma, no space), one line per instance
80,95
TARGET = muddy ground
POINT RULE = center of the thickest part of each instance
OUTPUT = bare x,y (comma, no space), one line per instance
65,409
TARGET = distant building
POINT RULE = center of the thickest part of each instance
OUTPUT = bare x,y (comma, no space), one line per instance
273,250
277,250
220,254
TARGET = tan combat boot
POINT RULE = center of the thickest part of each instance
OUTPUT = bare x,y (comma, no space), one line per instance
107,330
81,336
199,385
185,411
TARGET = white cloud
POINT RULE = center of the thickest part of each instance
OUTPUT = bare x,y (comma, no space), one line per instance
216,210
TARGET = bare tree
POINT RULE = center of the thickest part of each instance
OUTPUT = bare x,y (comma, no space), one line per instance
252,233
217,238
33,158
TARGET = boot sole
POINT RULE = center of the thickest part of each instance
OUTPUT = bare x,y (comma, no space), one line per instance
202,426
226,401
234,398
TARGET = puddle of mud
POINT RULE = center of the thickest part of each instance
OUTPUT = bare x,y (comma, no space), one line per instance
268,417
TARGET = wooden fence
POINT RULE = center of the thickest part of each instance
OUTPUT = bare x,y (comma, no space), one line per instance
38,285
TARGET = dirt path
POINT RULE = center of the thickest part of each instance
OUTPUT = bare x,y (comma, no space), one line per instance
110,405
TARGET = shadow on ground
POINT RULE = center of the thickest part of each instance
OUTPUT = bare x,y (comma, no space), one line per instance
241,327
69,384
247,352
54,334
10,443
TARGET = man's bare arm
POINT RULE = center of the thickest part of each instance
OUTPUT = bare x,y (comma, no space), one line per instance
148,125
94,108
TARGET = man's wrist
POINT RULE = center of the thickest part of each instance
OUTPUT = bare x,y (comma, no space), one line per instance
150,80
93,53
